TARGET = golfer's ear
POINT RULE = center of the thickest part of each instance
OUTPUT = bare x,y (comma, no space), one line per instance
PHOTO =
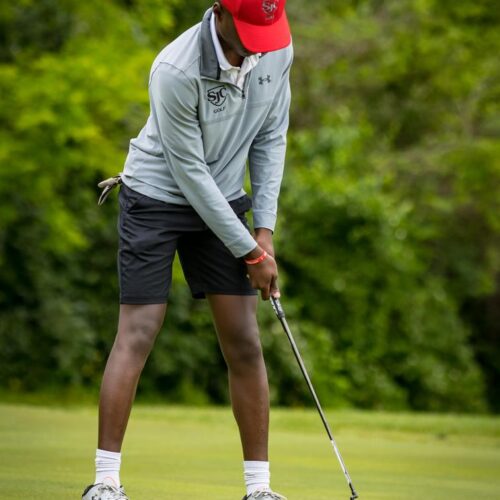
217,10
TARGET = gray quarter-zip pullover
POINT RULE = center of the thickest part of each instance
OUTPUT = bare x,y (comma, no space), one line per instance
201,131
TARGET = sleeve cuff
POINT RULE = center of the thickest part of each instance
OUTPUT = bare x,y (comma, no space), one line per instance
242,246
263,218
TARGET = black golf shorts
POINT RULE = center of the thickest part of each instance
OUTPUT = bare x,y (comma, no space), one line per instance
151,231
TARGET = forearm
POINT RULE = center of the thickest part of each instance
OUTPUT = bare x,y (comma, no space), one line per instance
200,189
264,241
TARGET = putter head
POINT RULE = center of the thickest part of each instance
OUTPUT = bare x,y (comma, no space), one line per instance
353,491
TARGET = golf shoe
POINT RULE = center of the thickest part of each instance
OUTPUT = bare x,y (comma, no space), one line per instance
102,491
264,495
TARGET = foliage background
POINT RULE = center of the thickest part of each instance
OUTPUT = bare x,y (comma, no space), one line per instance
389,230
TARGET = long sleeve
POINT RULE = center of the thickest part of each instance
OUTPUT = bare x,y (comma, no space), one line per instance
267,157
174,100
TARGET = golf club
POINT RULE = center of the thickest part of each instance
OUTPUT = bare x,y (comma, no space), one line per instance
281,316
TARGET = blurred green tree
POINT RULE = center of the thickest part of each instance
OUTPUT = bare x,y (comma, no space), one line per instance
389,227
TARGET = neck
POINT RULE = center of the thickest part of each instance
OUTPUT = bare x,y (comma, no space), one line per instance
233,57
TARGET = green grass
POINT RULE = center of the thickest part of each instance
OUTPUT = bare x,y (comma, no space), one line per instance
193,453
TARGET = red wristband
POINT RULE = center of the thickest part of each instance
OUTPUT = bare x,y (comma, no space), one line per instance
258,260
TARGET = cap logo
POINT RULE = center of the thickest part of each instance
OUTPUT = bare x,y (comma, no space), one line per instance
270,7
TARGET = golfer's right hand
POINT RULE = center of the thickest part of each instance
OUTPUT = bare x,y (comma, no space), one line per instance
264,275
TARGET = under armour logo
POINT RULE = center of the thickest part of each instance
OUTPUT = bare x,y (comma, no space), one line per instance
266,79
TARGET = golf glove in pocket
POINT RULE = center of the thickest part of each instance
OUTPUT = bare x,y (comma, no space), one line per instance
108,185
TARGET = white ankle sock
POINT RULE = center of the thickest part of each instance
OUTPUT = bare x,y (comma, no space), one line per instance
107,467
257,475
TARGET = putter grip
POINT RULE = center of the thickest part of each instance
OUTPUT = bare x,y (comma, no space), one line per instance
277,308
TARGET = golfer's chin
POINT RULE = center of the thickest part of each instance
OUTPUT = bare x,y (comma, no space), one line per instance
245,53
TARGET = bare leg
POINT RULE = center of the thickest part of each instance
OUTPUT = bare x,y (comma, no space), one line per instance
138,327
238,333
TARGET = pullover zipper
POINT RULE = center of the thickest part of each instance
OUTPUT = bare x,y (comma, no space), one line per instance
246,84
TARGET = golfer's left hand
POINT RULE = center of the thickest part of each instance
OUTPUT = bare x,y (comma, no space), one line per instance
264,237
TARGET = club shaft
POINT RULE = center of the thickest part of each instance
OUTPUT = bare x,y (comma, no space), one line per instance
281,316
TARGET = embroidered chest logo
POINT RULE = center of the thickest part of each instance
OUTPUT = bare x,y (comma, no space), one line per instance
266,79
217,95
270,7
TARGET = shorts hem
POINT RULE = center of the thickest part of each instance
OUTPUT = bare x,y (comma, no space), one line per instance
202,294
142,300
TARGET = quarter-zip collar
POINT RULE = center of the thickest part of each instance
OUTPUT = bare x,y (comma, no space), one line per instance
209,64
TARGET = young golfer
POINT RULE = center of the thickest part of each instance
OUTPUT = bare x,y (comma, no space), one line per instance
219,96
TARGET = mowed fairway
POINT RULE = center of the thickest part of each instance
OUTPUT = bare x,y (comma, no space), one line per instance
191,453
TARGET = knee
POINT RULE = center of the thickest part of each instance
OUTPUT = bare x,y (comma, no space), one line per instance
137,335
244,354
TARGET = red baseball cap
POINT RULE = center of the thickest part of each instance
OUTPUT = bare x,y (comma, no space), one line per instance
262,25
